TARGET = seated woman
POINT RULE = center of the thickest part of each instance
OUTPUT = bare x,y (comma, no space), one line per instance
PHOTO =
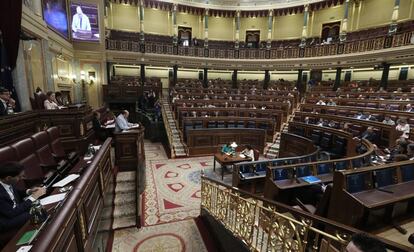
227,149
249,152
403,127
50,102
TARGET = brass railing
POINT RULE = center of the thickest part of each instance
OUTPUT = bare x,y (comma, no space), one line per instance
265,225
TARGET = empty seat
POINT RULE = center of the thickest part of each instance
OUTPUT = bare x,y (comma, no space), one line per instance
260,168
324,168
303,171
212,124
280,174
341,165
326,141
43,151
221,124
385,177
407,172
7,154
55,143
25,151
339,146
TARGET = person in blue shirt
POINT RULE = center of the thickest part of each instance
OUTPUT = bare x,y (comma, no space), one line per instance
121,122
227,149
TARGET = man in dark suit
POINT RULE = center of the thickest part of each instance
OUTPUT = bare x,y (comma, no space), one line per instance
14,204
5,101
369,135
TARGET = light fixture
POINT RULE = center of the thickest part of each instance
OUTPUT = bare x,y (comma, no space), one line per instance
74,78
82,75
91,76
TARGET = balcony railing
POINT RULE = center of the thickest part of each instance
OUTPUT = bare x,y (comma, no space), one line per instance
357,46
265,225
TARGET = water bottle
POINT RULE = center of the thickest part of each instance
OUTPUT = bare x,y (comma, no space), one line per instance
37,212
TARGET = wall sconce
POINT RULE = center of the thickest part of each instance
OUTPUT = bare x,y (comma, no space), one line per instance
74,78
91,76
82,76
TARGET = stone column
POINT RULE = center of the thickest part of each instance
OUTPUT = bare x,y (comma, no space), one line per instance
305,26
269,30
385,73
141,21
175,69
234,79
20,81
175,27
206,28
266,79
395,13
344,27
337,78
205,80
299,83
237,37
142,69
37,7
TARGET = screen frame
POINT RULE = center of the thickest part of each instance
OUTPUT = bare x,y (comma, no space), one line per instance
70,17
68,36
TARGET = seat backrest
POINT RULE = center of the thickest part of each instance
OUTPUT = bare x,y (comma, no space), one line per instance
7,154
55,143
24,148
26,154
43,150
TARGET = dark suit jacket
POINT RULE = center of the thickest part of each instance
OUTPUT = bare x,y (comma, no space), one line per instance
372,137
3,110
12,218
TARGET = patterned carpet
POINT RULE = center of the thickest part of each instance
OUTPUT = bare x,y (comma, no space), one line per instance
173,237
173,189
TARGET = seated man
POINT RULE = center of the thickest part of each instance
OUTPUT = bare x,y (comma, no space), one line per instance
369,135
14,204
121,122
364,243
7,104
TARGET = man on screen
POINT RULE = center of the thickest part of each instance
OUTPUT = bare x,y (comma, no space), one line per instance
80,22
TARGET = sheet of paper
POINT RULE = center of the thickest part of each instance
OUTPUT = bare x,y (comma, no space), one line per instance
52,199
242,156
66,180
24,248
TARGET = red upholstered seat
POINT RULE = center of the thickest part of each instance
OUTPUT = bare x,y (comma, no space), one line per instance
7,154
55,143
43,151
25,150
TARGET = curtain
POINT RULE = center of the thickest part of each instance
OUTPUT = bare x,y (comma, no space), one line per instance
10,20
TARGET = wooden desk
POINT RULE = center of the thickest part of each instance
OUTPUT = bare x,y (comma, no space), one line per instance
206,141
375,198
129,149
72,226
224,160
296,183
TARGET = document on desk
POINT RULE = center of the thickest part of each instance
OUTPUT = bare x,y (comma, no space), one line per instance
52,199
24,248
66,180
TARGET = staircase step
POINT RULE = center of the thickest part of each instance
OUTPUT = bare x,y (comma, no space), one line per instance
124,198
125,210
125,176
125,187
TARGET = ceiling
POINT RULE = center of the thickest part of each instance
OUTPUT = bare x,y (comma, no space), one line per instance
247,5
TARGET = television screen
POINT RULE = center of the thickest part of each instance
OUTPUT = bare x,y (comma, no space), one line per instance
84,22
55,16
